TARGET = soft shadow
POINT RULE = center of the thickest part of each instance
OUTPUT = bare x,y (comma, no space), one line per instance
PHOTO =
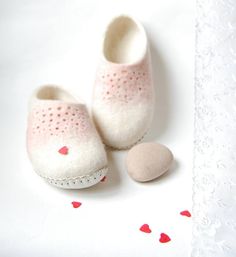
161,86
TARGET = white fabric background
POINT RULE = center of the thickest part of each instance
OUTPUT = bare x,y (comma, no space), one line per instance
214,229
57,41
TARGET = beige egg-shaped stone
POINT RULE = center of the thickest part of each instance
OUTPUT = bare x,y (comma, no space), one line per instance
148,161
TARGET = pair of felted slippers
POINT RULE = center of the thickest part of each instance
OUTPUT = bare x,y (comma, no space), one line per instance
63,144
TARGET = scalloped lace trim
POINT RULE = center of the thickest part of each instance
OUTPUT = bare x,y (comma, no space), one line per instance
214,189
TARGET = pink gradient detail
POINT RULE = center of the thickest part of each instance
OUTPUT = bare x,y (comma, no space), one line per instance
49,119
124,83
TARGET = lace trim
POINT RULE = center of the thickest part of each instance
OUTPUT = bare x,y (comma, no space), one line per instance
214,189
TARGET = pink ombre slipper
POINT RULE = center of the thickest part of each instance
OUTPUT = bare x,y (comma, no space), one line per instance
63,144
123,99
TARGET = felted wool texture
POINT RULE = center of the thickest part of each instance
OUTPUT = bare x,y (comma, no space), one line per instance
125,40
121,126
55,123
123,98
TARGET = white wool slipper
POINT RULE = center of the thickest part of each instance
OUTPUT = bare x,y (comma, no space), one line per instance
123,98
62,142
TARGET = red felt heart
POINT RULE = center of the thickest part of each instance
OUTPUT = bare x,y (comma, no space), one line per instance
103,179
145,228
185,213
164,238
63,150
76,204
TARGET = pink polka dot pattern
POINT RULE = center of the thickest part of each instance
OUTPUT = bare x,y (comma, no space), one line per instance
123,83
54,120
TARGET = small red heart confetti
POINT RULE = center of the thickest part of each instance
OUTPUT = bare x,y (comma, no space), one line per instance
185,213
63,150
164,238
145,228
76,204
103,179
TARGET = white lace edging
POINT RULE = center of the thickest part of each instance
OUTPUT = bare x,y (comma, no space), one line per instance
214,180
